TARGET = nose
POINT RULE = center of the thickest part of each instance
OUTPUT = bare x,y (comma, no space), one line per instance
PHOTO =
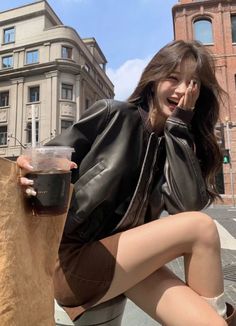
181,88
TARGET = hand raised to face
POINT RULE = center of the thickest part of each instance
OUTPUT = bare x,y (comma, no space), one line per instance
188,100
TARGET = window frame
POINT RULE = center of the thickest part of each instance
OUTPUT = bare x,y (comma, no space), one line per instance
28,130
87,68
69,50
65,89
199,20
31,52
100,83
233,31
1,93
70,123
8,66
4,136
87,103
30,88
4,35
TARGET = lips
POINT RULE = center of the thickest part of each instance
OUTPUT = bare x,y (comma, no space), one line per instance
172,103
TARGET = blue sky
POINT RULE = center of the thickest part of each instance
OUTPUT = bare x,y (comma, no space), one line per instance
129,32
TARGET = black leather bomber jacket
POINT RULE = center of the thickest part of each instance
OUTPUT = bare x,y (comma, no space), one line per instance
126,174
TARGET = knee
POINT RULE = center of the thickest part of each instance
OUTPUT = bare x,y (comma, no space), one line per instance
206,231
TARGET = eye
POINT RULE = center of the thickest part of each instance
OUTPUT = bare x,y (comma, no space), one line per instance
173,77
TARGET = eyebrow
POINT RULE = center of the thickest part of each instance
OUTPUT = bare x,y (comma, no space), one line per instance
178,72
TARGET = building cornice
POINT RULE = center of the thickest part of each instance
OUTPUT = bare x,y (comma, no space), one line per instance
92,42
205,4
36,69
46,42
59,65
198,6
29,11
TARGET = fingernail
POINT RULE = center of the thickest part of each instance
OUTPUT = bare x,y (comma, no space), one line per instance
30,192
29,182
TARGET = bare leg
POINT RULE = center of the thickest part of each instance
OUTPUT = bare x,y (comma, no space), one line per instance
168,300
143,250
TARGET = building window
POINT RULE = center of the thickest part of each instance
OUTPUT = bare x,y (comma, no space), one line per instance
4,99
87,103
34,94
100,84
233,24
87,68
29,132
203,31
67,92
32,56
3,135
66,124
66,52
9,35
7,62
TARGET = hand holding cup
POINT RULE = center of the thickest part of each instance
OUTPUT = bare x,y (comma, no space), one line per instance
46,178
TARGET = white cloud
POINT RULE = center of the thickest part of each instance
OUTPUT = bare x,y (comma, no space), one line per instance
126,77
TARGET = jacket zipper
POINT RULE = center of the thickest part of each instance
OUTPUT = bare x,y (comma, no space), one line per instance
148,183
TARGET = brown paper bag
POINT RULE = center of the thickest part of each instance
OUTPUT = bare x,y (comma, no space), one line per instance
28,252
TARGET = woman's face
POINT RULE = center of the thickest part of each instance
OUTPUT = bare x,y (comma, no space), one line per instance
180,88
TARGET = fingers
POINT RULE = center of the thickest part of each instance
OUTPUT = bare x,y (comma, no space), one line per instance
190,97
181,102
23,163
30,192
27,186
73,165
26,182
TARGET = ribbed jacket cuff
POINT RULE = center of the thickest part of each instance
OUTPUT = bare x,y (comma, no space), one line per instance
184,115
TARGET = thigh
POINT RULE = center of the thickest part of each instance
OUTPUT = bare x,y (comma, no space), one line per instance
146,248
84,274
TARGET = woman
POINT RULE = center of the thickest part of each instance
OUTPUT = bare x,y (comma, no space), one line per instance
135,159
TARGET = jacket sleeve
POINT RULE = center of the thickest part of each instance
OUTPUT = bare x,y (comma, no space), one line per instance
184,188
82,134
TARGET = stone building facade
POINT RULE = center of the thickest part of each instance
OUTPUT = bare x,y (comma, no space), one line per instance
213,22
44,65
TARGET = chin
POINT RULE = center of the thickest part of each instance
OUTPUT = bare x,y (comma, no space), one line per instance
167,112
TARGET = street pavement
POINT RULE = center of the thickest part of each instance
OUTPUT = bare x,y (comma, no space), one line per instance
225,218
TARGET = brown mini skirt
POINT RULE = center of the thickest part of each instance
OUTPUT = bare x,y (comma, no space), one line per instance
84,274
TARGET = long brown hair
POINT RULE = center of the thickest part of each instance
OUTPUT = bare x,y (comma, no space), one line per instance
206,113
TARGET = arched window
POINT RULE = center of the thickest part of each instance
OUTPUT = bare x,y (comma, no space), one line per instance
203,31
233,23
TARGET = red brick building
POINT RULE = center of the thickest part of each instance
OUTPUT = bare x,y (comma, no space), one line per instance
213,22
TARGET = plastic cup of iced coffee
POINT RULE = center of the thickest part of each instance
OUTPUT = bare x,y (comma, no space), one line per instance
51,175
